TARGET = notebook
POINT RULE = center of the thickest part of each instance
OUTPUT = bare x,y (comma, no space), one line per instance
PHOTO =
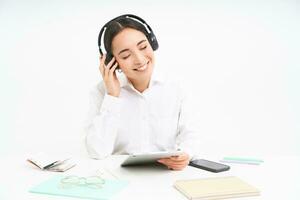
215,188
52,187
50,162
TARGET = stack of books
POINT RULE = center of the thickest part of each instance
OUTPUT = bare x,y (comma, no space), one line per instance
215,188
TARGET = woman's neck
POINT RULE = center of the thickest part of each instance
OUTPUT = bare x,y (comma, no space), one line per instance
140,86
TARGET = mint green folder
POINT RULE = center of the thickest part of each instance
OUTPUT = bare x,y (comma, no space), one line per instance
52,187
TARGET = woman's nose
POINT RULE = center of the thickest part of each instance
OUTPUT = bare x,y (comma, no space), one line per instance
139,59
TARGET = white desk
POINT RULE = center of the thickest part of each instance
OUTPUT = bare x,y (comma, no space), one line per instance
277,178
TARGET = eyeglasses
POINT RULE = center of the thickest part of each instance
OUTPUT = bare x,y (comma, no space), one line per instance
94,182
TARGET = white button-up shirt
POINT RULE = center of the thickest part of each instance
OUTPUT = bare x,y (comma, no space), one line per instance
157,119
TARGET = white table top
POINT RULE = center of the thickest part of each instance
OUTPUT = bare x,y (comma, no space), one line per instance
277,178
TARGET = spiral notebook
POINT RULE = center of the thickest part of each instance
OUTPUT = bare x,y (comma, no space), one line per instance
215,188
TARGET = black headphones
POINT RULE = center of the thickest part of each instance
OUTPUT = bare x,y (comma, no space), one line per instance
150,35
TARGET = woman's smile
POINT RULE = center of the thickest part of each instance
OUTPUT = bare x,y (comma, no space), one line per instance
142,68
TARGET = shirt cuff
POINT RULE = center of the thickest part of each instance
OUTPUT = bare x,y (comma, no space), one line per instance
110,104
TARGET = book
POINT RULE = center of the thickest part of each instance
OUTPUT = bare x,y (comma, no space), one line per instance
215,188
51,163
53,186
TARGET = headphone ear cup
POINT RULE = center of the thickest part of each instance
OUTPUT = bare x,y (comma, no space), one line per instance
153,41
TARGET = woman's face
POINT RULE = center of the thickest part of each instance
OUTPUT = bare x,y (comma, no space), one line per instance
134,54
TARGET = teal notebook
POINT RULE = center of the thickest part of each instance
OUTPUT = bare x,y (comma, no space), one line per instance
52,187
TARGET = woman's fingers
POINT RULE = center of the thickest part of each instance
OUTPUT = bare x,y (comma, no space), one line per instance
111,62
176,167
173,164
176,162
178,158
110,78
108,67
112,70
106,71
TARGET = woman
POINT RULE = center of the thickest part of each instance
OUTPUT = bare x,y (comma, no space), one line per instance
140,111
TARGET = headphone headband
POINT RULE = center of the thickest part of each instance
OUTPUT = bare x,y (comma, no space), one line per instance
150,35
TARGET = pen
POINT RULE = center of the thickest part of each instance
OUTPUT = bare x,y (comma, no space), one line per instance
50,165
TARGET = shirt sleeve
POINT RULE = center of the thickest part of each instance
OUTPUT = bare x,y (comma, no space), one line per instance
188,138
102,124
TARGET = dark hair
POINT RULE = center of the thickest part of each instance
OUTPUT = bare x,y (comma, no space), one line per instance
116,26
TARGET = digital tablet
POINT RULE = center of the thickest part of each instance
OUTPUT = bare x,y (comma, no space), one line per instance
146,158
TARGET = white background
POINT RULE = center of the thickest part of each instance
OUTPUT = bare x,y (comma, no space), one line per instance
239,59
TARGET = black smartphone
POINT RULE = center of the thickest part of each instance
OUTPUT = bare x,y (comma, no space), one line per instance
108,58
209,165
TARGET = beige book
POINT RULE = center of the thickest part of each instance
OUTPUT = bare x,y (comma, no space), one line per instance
215,188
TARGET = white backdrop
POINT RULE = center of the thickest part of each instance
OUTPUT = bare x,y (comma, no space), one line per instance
239,59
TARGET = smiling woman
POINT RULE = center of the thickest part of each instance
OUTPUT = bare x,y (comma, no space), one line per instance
134,56
142,112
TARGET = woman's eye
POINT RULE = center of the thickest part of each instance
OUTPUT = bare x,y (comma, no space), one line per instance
144,47
125,57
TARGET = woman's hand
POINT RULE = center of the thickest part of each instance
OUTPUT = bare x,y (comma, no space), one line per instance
176,162
109,76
